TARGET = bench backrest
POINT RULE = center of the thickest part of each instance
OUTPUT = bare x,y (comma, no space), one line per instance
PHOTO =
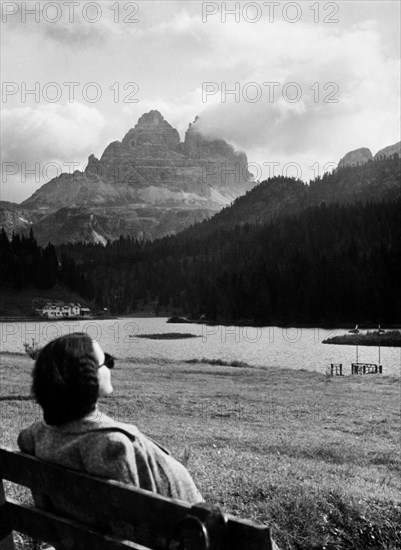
108,514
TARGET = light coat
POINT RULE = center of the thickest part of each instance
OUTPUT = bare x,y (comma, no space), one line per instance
100,446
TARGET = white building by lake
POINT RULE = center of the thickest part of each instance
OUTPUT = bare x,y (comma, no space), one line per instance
56,310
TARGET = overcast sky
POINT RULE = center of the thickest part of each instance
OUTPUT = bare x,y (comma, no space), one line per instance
333,69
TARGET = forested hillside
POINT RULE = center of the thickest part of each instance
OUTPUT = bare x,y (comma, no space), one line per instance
25,264
330,264
282,196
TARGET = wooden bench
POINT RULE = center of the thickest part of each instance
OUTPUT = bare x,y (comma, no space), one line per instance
106,510
366,368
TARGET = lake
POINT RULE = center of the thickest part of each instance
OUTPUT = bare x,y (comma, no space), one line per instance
267,347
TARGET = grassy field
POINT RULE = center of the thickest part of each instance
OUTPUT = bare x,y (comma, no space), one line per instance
317,458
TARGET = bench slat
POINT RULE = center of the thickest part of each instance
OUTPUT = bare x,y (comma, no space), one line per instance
6,537
35,522
98,501
152,515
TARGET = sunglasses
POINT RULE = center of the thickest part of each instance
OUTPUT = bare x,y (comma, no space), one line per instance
108,361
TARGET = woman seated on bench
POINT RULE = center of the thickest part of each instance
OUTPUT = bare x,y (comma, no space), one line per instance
70,374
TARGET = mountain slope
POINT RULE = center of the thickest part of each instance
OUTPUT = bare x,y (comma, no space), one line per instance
278,197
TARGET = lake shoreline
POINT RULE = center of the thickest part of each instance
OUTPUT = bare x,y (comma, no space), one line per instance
129,338
181,320
387,339
207,322
35,319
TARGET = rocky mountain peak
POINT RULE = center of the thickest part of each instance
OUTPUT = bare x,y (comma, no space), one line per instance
198,146
93,169
152,119
148,184
193,126
92,159
389,151
356,157
152,129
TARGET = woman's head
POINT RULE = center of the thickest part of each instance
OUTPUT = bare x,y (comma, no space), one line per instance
68,377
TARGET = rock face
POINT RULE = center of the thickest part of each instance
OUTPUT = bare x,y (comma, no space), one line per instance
355,158
15,218
389,151
99,224
152,129
146,185
151,166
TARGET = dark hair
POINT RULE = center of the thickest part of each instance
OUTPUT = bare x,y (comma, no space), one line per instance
65,381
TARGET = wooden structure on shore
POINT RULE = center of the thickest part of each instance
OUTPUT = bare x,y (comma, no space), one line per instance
336,369
366,368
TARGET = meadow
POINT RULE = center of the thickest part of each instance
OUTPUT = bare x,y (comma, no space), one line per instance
317,458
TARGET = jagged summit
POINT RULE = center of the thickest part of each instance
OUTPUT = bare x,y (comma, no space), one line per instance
195,124
152,129
197,145
152,118
151,165
149,184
